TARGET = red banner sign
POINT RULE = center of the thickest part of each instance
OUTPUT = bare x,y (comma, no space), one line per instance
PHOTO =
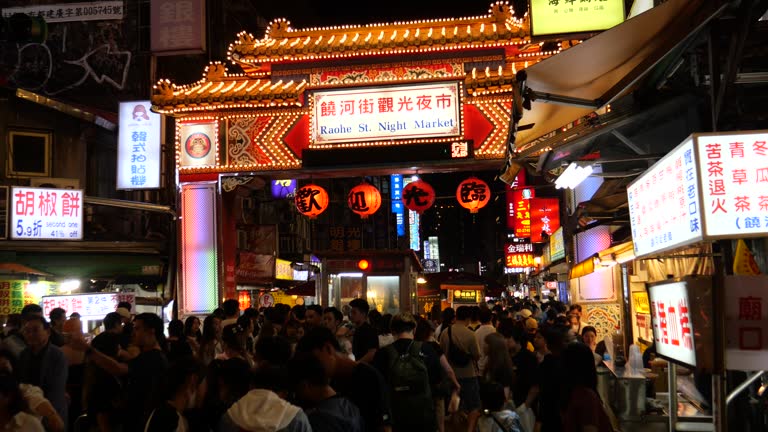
545,217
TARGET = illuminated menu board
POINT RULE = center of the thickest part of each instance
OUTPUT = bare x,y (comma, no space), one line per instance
672,325
664,203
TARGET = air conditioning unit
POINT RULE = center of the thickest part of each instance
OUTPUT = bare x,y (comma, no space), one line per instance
54,182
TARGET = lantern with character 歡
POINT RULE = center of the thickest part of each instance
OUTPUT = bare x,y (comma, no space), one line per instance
473,194
311,200
418,196
364,199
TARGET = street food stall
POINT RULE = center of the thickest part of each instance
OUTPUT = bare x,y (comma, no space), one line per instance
386,278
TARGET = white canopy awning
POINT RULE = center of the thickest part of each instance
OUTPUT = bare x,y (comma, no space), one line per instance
604,67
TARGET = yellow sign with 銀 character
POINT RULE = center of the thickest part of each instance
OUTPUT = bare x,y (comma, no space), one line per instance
640,300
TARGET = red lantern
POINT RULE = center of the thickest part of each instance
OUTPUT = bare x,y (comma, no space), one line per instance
311,200
473,194
418,196
364,199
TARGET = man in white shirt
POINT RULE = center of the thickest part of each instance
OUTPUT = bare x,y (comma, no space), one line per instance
484,330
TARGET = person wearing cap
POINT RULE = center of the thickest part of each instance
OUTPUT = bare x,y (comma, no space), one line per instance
531,328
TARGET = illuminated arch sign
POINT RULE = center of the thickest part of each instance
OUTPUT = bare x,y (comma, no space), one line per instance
404,112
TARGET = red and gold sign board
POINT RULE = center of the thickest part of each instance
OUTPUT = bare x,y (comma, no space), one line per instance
520,261
522,212
545,217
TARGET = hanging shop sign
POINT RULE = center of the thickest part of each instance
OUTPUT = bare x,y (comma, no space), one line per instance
14,294
199,144
473,194
396,195
88,305
46,214
734,183
283,188
545,218
386,113
177,27
71,12
364,199
519,256
672,326
418,196
522,213
311,200
550,17
664,203
746,317
138,149
557,245
466,296
283,269
518,183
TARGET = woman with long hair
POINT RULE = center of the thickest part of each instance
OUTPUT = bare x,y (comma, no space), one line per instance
580,405
211,345
499,367
192,332
449,316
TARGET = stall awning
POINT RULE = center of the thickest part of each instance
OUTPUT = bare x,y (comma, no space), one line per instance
606,66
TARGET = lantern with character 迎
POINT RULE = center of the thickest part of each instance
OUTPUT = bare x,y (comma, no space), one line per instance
364,199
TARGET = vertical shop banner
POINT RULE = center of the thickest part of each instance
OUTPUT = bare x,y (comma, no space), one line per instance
557,245
746,318
199,144
138,149
414,236
177,26
522,216
46,214
396,195
545,217
734,176
510,189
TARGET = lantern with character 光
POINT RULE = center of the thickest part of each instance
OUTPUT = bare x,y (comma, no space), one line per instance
364,199
418,196
473,194
311,200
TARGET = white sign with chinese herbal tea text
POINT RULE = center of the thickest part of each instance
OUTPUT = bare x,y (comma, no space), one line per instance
734,183
664,203
138,149
672,327
46,214
746,322
386,113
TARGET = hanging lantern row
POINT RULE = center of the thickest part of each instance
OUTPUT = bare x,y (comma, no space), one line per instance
364,199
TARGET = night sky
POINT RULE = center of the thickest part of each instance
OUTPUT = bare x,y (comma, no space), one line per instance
312,13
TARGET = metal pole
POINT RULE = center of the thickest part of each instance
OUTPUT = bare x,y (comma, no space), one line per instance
672,388
628,336
743,386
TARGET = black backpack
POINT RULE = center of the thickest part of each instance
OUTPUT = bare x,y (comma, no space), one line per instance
456,355
410,393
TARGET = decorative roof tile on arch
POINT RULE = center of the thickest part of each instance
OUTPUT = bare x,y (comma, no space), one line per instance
217,91
499,28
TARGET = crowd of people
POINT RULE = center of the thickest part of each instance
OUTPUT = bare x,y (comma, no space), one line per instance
523,366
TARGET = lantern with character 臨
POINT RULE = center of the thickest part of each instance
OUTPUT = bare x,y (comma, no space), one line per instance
418,196
473,194
364,199
311,200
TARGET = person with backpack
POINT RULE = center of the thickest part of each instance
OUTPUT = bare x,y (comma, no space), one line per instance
408,367
463,352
